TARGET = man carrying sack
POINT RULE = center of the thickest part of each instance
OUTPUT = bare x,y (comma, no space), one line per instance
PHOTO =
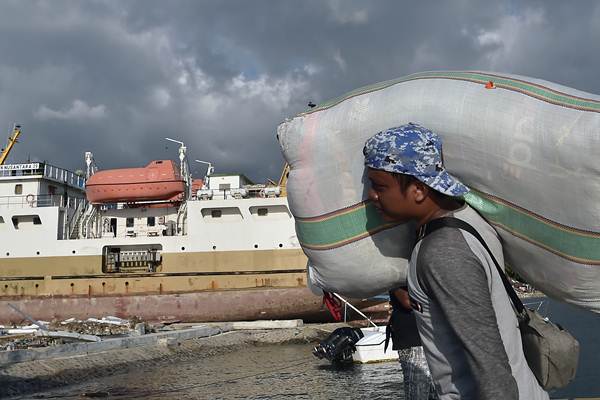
468,327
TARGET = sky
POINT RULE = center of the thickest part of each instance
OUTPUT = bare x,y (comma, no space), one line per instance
117,77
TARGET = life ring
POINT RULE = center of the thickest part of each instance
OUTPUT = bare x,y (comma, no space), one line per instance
30,199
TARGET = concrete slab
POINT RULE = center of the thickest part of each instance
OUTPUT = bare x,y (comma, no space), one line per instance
76,349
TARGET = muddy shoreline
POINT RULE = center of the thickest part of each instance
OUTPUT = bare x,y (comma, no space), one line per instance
40,375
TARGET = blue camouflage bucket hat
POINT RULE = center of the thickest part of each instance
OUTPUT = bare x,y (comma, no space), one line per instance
412,150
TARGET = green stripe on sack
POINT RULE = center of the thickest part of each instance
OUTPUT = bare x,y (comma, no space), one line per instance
340,228
362,220
570,243
531,89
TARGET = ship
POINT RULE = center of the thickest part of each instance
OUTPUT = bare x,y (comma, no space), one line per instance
148,242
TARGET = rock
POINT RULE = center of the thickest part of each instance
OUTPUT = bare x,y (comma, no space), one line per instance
168,342
140,329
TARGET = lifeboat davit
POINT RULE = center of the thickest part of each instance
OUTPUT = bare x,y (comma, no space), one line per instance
159,180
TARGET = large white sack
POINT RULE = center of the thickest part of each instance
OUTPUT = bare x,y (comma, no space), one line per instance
528,148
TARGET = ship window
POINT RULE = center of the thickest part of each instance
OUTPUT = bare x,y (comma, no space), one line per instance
222,214
1,220
271,212
151,221
129,222
24,222
18,188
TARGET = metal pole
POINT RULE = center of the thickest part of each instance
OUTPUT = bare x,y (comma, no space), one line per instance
355,309
29,318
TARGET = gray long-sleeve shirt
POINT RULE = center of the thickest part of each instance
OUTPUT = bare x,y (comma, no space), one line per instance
466,321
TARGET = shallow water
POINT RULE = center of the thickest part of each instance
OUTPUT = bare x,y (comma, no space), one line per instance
292,372
266,372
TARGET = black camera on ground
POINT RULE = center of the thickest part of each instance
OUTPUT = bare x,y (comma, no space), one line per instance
339,345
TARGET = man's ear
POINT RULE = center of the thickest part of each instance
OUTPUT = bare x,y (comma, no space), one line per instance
420,191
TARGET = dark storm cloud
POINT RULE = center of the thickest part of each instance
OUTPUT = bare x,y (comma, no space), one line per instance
117,77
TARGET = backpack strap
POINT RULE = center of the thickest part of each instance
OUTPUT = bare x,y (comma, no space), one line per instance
452,222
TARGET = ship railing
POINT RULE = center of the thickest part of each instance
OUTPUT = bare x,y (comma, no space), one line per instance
248,191
42,169
40,200
63,175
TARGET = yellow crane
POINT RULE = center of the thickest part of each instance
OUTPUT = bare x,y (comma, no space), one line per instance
283,180
12,139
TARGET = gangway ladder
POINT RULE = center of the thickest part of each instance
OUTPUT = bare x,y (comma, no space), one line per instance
181,219
76,220
86,223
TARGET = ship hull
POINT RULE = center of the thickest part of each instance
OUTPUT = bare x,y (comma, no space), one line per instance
240,263
207,306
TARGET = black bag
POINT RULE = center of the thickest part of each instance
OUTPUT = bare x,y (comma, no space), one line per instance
551,352
401,327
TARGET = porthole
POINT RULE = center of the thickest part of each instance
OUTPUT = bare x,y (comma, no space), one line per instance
103,283
214,247
280,244
183,248
37,252
256,246
37,285
126,283
72,284
73,252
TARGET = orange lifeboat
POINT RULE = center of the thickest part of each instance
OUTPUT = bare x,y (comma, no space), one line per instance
197,184
159,180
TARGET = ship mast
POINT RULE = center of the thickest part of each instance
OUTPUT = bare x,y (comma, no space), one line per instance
209,170
90,163
183,166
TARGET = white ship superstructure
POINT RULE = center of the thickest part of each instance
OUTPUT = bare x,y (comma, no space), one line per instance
43,213
37,202
225,250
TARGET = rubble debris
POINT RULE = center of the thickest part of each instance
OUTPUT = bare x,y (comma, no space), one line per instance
45,334
107,326
12,342
170,321
524,289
